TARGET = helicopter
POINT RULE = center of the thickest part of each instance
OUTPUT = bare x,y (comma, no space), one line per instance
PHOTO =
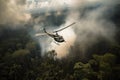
58,38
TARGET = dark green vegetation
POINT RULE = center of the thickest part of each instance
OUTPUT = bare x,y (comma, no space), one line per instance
20,59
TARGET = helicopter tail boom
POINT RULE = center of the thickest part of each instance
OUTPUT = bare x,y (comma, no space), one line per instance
48,33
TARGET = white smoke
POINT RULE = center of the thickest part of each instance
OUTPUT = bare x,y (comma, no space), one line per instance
13,12
89,28
94,26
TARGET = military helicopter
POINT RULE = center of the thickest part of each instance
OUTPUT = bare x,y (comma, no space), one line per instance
58,38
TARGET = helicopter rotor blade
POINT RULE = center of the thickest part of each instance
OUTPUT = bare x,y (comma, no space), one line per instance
40,34
64,27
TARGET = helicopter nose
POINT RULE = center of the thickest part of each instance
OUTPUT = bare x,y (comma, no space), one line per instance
64,40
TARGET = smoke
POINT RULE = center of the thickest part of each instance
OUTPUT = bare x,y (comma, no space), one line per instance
91,17
92,25
12,12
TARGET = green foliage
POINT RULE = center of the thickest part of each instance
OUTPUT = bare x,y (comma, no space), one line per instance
109,58
22,52
31,46
78,65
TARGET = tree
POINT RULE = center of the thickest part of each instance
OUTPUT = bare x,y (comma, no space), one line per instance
20,53
81,70
105,63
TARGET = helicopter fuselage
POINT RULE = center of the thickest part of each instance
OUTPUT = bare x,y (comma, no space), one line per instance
59,38
56,37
